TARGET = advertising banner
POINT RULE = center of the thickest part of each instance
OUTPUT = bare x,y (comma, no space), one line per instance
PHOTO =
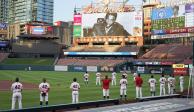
179,71
112,24
140,69
100,53
76,31
162,13
174,31
39,30
189,8
3,26
61,68
92,68
168,12
77,19
189,18
178,66
172,35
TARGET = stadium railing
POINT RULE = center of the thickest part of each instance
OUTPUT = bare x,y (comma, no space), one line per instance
158,97
68,107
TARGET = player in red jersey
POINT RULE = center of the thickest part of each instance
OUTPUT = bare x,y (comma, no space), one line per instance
138,83
105,86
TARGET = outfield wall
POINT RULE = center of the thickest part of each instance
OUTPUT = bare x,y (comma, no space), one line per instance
27,67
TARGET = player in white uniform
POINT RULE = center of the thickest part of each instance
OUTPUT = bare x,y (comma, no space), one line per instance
75,91
125,74
44,88
86,78
16,88
171,84
114,78
98,78
152,83
162,81
181,79
123,87
134,76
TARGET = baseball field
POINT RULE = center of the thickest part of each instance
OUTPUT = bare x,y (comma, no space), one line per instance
60,93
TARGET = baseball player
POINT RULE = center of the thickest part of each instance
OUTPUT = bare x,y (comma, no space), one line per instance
162,81
152,83
134,76
123,87
114,78
125,74
86,76
171,86
181,82
44,88
98,75
105,87
75,91
16,88
138,83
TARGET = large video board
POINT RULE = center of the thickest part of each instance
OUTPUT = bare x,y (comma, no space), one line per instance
177,22
112,24
169,19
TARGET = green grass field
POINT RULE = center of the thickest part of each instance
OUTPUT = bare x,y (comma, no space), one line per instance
60,92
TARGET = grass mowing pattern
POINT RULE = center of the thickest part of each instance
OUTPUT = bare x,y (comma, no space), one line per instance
31,61
61,93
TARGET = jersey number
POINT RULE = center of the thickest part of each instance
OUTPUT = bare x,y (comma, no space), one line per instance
75,86
44,86
17,87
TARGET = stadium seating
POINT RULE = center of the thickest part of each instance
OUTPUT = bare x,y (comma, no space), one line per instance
131,48
90,62
169,51
36,46
3,56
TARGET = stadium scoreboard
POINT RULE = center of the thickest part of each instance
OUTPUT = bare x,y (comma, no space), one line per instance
170,23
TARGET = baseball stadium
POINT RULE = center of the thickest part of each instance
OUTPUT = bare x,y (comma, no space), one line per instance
106,37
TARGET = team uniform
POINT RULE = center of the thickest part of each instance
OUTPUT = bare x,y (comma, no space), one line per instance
162,81
86,78
123,87
105,87
171,85
152,83
75,92
125,74
98,75
138,83
181,79
44,89
114,78
16,88
134,76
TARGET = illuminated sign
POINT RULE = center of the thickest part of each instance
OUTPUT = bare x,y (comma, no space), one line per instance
101,53
125,24
178,66
178,22
173,31
77,19
38,30
3,26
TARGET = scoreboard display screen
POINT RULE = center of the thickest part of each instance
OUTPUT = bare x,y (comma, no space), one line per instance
170,23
